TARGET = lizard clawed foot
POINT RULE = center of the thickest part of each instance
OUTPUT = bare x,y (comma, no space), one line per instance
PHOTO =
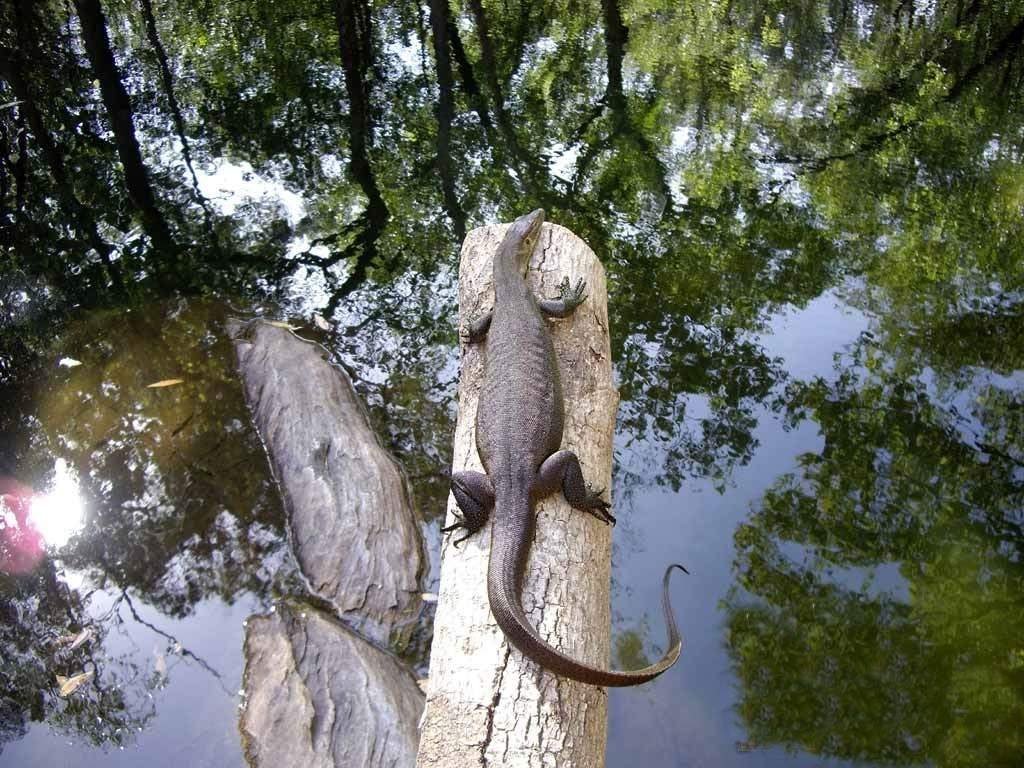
461,539
461,523
598,507
476,330
572,295
454,527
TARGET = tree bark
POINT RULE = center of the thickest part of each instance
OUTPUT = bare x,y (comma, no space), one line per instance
487,704
119,111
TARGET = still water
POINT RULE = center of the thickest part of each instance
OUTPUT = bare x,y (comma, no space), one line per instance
811,220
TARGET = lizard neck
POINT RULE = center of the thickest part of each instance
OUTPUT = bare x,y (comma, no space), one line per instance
512,258
509,281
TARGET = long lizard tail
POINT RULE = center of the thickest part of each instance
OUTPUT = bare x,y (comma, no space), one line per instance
503,584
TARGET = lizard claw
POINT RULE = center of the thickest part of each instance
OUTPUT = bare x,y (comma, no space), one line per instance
470,524
459,523
475,330
572,295
598,507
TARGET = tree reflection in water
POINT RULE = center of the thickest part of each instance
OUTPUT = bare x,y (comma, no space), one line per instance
727,161
925,669
179,507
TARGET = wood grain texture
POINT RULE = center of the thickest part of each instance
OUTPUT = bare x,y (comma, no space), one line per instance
317,696
353,527
487,704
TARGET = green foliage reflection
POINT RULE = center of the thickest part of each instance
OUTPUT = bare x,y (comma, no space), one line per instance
726,160
835,665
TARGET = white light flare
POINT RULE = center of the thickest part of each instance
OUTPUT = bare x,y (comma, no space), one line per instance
58,513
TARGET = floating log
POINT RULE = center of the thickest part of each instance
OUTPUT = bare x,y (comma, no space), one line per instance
319,696
353,528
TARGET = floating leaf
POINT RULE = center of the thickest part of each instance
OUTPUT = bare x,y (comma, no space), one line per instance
428,597
69,362
69,685
81,638
322,324
423,683
164,383
74,640
161,666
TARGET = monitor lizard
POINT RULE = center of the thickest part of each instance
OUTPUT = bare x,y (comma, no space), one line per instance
519,423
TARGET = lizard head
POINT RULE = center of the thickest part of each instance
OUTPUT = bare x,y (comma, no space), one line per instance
525,231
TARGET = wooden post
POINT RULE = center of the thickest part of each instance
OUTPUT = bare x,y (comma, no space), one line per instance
486,704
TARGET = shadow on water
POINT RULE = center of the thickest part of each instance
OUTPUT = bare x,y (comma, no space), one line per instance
811,224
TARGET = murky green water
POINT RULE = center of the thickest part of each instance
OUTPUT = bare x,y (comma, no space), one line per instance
811,220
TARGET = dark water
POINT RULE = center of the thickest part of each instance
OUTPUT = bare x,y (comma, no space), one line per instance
811,220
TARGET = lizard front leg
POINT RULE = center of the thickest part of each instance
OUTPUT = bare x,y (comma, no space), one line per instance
569,298
562,470
476,330
474,495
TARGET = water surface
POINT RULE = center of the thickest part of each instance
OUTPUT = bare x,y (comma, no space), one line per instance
810,217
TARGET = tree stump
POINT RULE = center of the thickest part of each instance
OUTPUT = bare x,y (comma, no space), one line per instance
317,695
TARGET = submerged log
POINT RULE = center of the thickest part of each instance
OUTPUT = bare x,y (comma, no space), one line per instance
353,528
317,695
486,703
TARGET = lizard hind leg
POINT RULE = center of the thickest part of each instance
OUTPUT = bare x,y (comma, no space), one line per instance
562,470
474,495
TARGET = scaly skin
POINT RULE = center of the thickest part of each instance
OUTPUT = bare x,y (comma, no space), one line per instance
519,424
